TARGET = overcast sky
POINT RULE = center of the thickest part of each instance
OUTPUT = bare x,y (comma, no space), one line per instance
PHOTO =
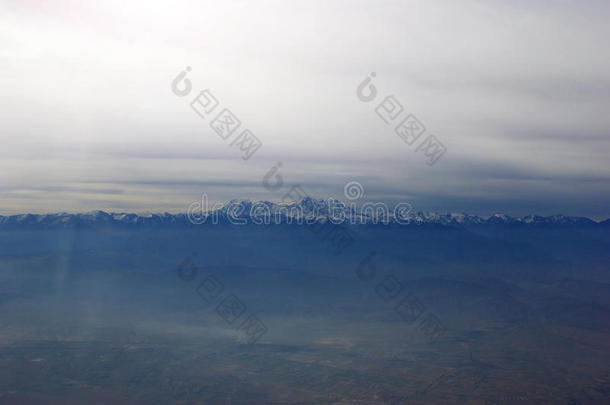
517,91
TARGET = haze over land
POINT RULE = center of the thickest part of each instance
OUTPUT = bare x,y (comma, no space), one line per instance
96,309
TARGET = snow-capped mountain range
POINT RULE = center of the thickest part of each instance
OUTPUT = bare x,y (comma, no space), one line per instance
313,210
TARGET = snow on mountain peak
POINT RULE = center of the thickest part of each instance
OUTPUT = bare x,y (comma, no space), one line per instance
308,207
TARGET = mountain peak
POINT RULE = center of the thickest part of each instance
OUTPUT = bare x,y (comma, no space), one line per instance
308,207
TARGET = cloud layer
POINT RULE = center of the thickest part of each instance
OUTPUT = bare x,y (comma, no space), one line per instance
518,92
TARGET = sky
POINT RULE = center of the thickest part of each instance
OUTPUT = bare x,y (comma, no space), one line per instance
518,92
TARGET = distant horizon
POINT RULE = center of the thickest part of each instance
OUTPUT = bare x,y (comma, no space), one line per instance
143,213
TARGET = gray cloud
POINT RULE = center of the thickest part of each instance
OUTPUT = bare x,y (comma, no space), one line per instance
518,91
